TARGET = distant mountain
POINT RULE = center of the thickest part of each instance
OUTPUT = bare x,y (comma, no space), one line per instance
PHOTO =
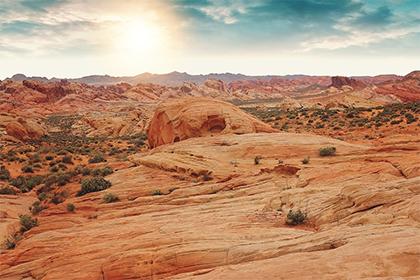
177,78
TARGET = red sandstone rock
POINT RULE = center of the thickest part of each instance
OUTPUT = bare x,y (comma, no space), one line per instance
339,82
185,118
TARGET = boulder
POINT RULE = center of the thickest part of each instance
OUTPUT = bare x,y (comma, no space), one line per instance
185,118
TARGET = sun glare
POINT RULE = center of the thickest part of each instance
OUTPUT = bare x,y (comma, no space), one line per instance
140,37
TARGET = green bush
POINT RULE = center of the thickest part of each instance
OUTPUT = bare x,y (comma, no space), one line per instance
67,160
42,196
58,198
7,190
97,158
327,151
26,223
95,184
27,169
102,171
4,173
50,180
49,157
35,158
25,184
54,168
63,179
305,160
10,243
70,207
110,197
36,208
295,217
34,181
157,192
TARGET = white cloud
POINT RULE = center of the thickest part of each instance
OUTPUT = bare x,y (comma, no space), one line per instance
227,11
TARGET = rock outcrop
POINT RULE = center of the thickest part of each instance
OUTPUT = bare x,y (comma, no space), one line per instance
339,82
22,129
185,118
407,89
361,205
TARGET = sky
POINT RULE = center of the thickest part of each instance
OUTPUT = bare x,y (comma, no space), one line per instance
74,38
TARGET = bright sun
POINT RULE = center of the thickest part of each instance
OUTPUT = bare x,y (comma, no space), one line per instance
138,37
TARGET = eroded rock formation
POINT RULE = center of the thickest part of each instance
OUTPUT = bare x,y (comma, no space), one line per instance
185,118
339,82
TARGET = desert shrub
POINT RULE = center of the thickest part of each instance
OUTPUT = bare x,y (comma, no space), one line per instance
327,151
26,223
157,192
114,151
62,166
85,171
27,169
4,173
11,155
305,160
42,196
58,198
34,181
36,208
50,180
106,171
67,160
97,158
49,157
62,153
110,197
257,160
35,158
7,190
63,179
102,171
54,168
95,184
295,217
10,243
70,207
26,184
207,177
410,118
18,182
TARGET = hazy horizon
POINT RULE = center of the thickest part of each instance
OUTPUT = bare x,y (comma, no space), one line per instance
203,74
75,38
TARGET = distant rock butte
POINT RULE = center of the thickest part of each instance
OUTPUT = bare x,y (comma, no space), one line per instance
185,118
339,82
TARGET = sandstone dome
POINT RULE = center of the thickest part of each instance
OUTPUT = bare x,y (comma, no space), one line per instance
185,118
